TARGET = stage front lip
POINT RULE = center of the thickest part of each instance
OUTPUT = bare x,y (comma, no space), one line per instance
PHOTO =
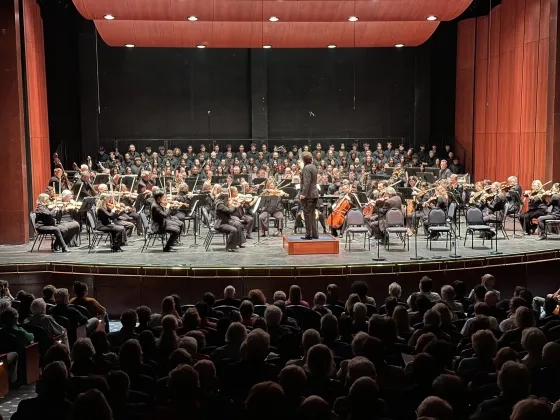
305,268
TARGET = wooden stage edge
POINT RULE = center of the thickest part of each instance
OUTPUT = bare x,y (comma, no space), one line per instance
124,287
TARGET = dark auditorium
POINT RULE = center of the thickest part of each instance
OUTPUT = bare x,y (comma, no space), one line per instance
280,209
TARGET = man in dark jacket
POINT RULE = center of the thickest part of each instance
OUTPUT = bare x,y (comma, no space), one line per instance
224,223
162,221
309,196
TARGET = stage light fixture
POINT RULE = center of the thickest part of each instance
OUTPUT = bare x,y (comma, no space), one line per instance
431,18
109,17
353,18
192,18
399,45
331,46
266,47
201,46
273,19
129,45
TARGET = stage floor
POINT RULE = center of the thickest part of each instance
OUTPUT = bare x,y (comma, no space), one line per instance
268,253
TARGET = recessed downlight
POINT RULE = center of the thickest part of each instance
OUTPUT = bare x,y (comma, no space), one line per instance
274,18
399,45
266,47
109,17
331,46
201,46
353,18
192,18
431,18
129,45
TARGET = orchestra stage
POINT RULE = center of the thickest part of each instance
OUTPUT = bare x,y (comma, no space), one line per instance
130,278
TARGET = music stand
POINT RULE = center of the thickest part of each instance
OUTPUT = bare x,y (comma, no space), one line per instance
406,192
426,176
101,179
127,180
259,181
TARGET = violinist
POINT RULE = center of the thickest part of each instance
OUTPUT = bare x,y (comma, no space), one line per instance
240,215
494,204
513,195
420,213
224,222
474,198
454,189
106,215
553,211
66,218
122,218
145,181
183,196
270,189
46,222
537,207
162,221
390,201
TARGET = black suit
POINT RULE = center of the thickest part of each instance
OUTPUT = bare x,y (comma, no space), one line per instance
553,213
224,223
105,223
162,223
46,223
309,191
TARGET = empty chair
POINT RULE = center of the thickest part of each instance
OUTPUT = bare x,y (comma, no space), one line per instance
395,224
475,223
437,223
355,224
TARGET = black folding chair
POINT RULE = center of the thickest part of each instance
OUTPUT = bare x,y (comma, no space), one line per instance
38,233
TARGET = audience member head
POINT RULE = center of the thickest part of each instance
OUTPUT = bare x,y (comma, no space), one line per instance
360,288
360,312
256,296
359,367
80,289
424,369
488,281
550,305
531,409
53,381
425,284
505,354
315,407
524,318
533,340
273,316
257,345
373,350
422,303
236,333
294,295
203,309
444,312
452,389
400,316
144,314
48,293
436,408
279,295
395,290
178,357
167,306
551,355
479,292
129,319
191,319
9,317
199,337
38,307
91,405
442,352
119,388
292,379
432,318
130,353
514,380
448,293
481,308
484,344
83,350
320,299
350,302
329,327
229,292
362,395
261,398
345,325
246,309
62,296
209,299
491,298
391,303
206,375
319,361
332,292
183,385
423,341
58,353
459,288
260,323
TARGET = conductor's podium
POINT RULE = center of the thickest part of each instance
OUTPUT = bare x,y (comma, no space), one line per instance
326,244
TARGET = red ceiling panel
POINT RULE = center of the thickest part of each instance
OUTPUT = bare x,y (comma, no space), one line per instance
244,23
257,34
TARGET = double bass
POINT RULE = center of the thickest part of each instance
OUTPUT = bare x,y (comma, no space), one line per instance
338,215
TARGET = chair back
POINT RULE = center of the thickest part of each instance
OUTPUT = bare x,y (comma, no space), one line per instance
394,217
144,221
33,219
437,217
451,211
226,309
474,216
82,309
87,204
354,218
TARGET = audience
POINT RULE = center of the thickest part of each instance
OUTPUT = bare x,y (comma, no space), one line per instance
415,359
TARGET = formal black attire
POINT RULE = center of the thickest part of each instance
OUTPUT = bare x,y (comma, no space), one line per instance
240,215
553,213
224,223
378,227
537,208
311,195
274,211
47,223
514,197
67,221
86,190
105,223
162,223
494,209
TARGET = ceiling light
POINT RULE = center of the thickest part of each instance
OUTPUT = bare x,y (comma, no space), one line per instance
399,45
192,18
267,46
273,19
431,18
109,17
201,46
331,46
129,45
353,19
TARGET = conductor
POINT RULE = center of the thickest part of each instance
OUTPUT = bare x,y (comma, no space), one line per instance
309,196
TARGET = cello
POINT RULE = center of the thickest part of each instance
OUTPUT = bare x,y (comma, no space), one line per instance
338,215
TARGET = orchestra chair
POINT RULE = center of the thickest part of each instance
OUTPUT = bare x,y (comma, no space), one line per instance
550,223
396,225
499,222
355,224
475,223
512,213
149,235
437,223
210,236
95,236
38,233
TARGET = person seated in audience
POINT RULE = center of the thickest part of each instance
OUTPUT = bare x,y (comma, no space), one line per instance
514,382
50,402
40,318
229,298
281,336
279,295
104,359
82,299
167,308
533,341
200,344
524,319
294,297
509,323
480,309
479,295
288,315
361,289
5,291
10,332
48,294
491,299
257,297
246,309
76,318
58,353
261,397
213,402
210,300
319,367
545,381
168,341
235,335
91,405
436,408
360,318
423,371
425,289
452,389
420,304
25,299
128,322
389,377
9,322
330,333
432,323
319,302
353,298
488,281
448,297
119,395
333,295
82,358
144,314
550,311
131,362
308,339
460,291
293,379
485,347
252,369
532,408
203,313
400,316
